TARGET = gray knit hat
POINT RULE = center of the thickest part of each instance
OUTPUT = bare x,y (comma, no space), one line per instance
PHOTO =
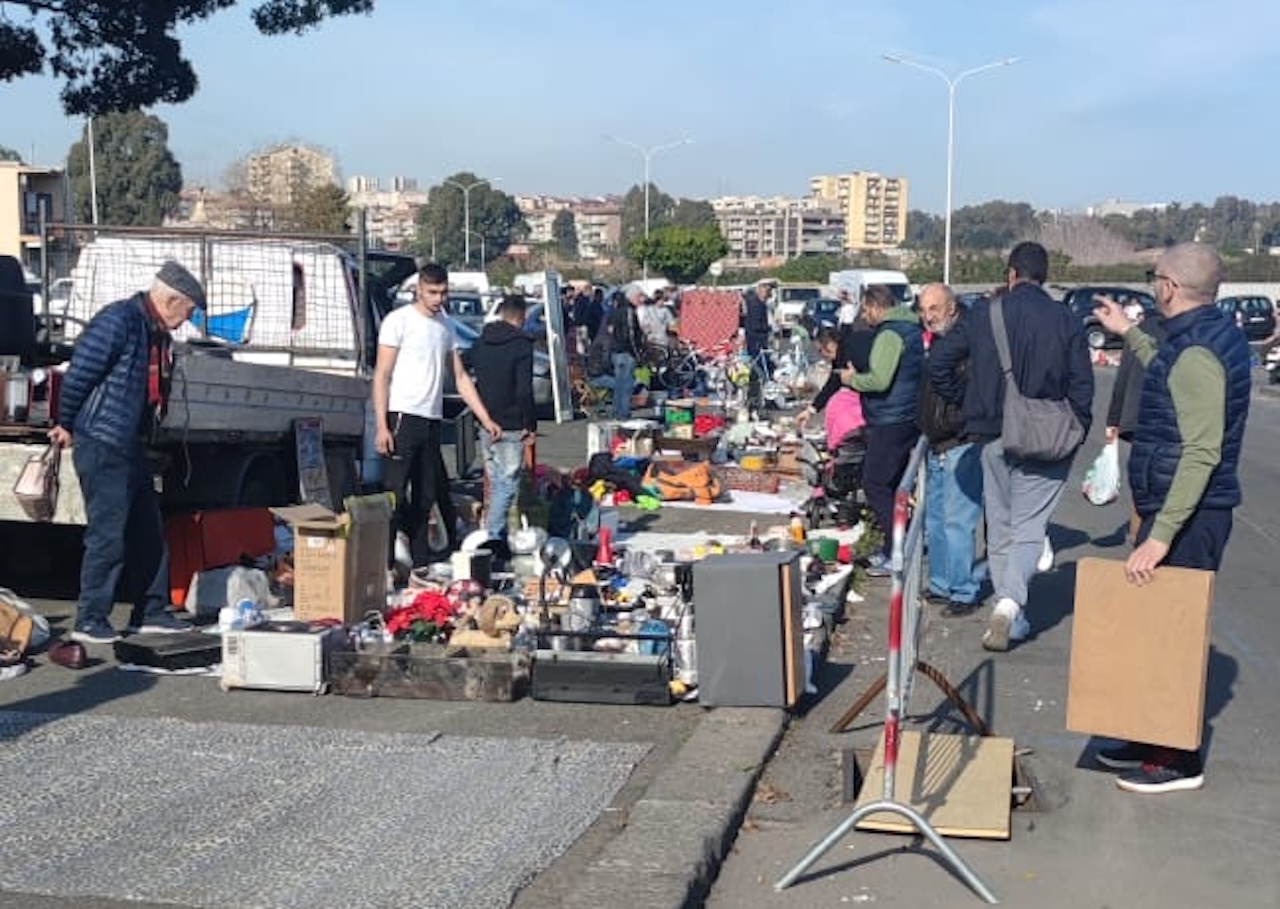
182,281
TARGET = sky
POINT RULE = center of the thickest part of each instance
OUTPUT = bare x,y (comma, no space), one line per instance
1142,100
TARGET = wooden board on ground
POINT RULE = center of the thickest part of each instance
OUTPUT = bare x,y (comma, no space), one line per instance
1139,655
960,784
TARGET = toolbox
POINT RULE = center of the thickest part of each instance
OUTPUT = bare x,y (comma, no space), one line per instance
171,652
281,656
581,675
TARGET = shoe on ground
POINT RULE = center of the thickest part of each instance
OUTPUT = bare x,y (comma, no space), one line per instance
403,553
99,632
957,610
937,599
1046,557
161,623
1129,756
878,566
1164,771
1006,626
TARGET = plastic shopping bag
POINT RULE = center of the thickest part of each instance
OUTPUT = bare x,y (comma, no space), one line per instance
1102,482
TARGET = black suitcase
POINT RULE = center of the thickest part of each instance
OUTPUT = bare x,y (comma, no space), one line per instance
184,650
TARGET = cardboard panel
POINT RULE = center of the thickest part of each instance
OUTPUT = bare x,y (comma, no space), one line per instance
1139,655
959,783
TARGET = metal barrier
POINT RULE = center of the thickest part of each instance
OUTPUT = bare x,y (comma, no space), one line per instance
904,629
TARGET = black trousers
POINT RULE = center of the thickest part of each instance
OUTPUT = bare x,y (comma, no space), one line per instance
415,472
888,451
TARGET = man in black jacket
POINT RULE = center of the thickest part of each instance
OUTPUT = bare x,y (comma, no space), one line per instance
1050,360
756,332
503,364
953,492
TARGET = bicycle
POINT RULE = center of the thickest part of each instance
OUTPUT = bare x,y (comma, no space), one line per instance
691,369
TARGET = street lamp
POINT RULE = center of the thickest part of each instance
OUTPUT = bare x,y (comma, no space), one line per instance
952,83
466,211
647,154
482,255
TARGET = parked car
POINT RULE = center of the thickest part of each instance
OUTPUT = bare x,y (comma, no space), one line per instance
967,300
467,307
792,302
1256,315
820,313
1081,302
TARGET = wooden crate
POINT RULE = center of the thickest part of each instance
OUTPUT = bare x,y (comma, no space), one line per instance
431,672
734,477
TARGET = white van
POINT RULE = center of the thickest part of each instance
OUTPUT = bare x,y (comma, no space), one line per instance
857,280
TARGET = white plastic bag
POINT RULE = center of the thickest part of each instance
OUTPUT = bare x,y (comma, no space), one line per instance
1102,483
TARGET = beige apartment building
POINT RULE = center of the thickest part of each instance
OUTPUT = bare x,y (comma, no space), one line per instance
26,194
874,207
764,232
597,222
281,175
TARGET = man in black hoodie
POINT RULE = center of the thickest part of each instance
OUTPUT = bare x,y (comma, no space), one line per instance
503,364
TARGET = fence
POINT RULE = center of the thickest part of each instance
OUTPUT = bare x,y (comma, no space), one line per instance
273,293
904,627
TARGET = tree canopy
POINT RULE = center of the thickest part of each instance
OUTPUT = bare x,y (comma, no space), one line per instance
564,233
119,55
324,209
138,177
680,254
441,222
8,154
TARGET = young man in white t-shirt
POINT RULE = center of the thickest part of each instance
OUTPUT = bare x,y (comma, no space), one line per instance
416,347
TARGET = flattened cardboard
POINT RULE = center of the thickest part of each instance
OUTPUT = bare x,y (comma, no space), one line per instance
1140,655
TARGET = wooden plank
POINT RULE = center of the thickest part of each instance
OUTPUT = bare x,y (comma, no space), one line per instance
960,784
1139,655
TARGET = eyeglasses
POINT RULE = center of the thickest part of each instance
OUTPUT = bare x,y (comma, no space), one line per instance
1153,276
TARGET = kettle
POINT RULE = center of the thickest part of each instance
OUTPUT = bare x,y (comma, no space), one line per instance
584,606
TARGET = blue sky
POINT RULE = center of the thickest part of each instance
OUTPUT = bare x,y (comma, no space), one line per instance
1147,100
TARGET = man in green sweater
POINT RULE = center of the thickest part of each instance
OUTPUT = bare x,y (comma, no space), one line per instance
1183,465
890,390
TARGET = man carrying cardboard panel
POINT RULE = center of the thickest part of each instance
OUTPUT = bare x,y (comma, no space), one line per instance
1183,465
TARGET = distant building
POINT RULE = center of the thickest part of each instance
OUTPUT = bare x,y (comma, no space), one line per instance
391,215
1124,209
874,207
761,232
26,195
282,175
597,223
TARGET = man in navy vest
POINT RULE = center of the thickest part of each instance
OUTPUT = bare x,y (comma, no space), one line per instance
890,390
1186,447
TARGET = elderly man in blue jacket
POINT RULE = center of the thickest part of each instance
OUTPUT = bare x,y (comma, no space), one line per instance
1050,360
112,396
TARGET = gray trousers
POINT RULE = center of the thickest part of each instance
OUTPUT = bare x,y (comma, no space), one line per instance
1019,497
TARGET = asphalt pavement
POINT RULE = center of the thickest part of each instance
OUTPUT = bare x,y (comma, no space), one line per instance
725,801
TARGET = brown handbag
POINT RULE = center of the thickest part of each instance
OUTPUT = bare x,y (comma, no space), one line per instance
37,486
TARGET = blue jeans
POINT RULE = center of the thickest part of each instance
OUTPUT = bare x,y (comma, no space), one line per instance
953,507
624,380
123,533
503,461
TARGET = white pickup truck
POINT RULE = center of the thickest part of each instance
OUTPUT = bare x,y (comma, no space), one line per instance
290,333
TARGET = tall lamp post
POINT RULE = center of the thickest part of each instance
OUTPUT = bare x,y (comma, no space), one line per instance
647,154
952,83
482,255
466,211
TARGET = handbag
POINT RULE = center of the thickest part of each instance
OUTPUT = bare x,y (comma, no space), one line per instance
37,486
1038,429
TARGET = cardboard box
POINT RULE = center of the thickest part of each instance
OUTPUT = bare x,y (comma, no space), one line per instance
340,560
1139,655
200,540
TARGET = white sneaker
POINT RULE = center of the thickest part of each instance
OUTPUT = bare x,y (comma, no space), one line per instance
1008,624
1046,557
404,555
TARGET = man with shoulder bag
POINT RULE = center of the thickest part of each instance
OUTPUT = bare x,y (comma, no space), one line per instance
1028,398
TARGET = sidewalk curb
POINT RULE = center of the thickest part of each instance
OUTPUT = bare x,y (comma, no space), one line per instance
678,833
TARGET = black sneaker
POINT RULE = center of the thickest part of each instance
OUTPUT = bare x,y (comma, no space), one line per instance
160,623
958,610
1129,756
95,632
1166,771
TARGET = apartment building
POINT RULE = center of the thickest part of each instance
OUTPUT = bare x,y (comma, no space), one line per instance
26,195
280,176
391,213
597,223
874,207
763,232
